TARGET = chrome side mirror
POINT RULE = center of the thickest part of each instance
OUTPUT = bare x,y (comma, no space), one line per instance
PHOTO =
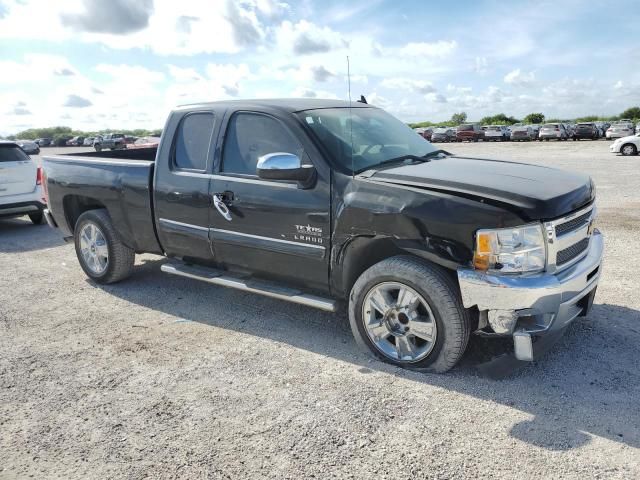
285,166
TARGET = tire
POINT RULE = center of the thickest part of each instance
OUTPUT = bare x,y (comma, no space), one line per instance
628,149
443,309
37,218
120,258
98,148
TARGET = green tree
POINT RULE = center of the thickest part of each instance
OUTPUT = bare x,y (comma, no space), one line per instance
458,118
499,119
633,112
534,118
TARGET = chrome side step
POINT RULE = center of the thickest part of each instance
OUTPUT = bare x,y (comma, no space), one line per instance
268,289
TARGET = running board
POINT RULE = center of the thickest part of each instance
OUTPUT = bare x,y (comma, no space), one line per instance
268,289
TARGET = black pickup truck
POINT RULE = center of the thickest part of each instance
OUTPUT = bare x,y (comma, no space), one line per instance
318,201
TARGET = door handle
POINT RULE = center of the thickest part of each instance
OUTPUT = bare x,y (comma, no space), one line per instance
222,208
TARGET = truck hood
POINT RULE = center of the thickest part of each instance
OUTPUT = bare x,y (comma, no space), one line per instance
533,192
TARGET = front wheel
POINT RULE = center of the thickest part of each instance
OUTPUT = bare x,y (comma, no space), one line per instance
409,313
629,149
101,253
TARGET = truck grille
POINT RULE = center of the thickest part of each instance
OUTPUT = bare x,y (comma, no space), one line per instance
569,253
568,238
573,224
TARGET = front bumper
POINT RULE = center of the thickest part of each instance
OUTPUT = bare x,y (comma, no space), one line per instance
532,306
613,148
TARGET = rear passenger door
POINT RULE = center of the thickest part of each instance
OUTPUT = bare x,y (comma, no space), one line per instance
274,228
181,187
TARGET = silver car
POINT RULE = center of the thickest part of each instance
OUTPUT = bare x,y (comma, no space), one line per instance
522,134
496,133
553,130
619,130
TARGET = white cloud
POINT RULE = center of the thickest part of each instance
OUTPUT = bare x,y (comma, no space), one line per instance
306,38
481,65
436,98
439,49
416,86
519,78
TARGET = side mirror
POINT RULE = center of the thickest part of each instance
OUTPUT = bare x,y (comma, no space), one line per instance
285,166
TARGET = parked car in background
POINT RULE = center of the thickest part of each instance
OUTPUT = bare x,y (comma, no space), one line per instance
88,142
638,128
536,130
496,133
425,132
522,134
586,130
20,184
553,131
471,132
620,130
29,146
43,142
626,145
111,141
75,142
145,142
443,134
60,141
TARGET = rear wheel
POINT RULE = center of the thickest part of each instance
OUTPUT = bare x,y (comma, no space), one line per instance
629,149
101,253
408,313
37,218
98,148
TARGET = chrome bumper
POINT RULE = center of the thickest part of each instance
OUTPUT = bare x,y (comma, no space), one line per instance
531,306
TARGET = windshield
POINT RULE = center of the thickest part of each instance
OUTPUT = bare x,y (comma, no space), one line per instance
377,137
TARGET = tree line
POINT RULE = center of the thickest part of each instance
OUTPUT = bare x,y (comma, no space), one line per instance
57,133
632,114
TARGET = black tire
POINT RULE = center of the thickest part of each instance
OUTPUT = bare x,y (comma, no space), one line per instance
628,149
37,218
440,292
98,148
121,258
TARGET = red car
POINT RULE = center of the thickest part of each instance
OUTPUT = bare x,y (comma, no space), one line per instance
469,131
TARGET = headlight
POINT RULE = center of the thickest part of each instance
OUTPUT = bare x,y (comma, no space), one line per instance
510,250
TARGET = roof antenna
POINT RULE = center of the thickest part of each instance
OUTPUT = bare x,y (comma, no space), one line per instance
353,170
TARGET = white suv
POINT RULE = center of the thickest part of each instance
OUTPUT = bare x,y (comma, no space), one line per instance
20,184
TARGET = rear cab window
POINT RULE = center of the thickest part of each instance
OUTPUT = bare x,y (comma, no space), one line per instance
192,141
12,153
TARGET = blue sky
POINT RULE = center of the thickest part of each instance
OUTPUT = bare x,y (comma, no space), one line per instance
95,64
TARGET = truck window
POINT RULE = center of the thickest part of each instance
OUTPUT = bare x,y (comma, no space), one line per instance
192,141
251,135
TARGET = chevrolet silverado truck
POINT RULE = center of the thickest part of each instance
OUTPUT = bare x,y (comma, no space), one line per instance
320,202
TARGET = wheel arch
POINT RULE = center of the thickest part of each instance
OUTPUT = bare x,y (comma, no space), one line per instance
362,252
76,205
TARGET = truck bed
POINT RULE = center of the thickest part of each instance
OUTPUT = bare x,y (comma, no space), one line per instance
119,181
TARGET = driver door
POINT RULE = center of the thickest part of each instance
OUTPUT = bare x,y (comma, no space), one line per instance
273,228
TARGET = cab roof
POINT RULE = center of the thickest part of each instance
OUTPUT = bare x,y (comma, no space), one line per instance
290,105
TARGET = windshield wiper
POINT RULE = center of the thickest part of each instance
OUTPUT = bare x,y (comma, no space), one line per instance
420,159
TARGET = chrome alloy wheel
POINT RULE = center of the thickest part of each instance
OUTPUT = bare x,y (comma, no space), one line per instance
628,150
93,247
399,322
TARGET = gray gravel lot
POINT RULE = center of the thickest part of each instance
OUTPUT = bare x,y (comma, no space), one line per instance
162,377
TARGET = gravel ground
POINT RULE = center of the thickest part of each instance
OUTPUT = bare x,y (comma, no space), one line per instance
163,377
